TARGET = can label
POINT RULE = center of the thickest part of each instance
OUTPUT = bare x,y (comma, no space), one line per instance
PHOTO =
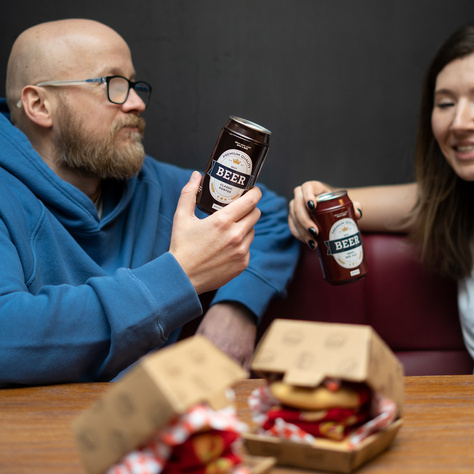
340,248
234,165
230,175
345,243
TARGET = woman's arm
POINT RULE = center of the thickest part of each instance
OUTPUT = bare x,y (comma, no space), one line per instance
385,208
380,208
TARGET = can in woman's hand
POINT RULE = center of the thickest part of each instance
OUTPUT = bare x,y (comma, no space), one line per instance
340,248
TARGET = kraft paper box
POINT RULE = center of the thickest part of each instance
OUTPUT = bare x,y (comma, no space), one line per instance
161,386
305,353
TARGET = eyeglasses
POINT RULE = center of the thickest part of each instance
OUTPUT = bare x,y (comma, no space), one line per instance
118,88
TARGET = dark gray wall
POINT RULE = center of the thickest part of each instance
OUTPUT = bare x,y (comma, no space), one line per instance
336,81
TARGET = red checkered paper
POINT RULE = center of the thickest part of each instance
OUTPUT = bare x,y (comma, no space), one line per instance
200,441
337,424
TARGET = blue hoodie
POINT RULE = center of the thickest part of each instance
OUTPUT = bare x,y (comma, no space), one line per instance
82,298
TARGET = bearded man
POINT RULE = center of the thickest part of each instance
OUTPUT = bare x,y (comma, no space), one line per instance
104,255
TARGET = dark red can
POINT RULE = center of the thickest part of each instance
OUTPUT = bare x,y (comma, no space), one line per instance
235,164
340,248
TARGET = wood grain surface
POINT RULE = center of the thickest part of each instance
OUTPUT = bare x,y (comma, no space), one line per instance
437,433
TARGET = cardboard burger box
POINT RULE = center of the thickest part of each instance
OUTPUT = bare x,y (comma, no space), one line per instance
161,386
304,353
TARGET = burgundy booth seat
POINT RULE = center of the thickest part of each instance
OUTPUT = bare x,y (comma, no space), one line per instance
414,311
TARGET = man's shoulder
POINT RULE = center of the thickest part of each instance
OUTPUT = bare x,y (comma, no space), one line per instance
164,173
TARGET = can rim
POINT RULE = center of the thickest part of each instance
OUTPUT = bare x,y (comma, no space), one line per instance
330,195
250,124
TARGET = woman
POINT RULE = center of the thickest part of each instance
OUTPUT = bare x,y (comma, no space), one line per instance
437,210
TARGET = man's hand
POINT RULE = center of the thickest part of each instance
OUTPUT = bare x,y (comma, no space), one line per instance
231,327
214,250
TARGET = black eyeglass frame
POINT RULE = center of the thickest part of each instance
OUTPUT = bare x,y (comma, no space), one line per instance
106,79
131,85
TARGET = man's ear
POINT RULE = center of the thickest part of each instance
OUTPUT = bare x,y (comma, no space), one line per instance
36,106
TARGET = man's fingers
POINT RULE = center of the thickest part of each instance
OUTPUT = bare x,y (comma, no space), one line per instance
243,205
187,201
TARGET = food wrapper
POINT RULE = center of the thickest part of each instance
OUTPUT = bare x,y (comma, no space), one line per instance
337,424
200,441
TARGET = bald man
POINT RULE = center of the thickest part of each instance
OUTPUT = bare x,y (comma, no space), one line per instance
104,254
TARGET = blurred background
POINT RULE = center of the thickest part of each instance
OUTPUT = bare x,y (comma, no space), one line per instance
336,81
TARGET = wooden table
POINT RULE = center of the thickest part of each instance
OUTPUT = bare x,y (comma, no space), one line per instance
437,435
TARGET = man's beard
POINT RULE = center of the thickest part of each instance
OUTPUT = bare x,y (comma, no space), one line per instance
106,158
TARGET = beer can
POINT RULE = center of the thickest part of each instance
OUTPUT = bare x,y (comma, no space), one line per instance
340,248
234,165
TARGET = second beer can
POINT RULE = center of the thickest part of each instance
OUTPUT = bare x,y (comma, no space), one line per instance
340,248
235,164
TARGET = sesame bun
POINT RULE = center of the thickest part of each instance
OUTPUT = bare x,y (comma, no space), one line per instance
318,398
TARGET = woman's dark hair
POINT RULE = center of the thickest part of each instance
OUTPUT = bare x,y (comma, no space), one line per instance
444,213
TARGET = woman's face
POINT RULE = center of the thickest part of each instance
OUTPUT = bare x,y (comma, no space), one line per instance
452,118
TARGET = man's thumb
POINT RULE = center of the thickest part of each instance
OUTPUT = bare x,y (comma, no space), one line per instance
189,192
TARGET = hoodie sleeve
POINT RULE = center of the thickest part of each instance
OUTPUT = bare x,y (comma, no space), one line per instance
274,254
89,332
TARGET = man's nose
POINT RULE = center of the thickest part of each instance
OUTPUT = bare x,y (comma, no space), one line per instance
134,102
